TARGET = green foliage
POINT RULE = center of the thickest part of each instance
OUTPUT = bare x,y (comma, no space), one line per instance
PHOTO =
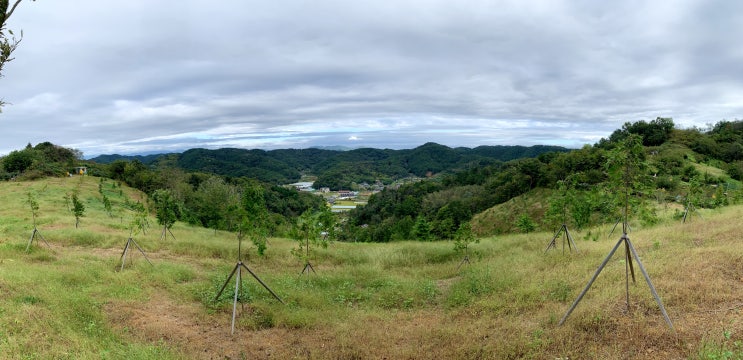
334,169
464,237
526,224
723,349
654,133
45,159
559,290
566,203
18,161
422,229
313,228
139,221
33,204
629,180
78,208
167,209
107,205
474,284
254,213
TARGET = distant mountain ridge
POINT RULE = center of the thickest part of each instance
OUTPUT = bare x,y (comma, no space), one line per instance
335,168
109,158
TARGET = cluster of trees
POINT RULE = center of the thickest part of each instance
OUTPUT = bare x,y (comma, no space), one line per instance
44,159
653,133
334,169
210,200
435,209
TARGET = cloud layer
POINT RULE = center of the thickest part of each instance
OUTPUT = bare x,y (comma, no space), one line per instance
143,76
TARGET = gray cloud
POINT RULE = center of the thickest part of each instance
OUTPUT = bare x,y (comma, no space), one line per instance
143,76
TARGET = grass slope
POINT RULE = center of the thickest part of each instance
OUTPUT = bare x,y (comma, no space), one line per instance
399,300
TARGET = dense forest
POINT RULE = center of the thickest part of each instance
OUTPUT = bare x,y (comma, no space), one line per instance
333,168
700,165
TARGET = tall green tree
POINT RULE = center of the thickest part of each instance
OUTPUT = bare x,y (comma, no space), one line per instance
18,161
422,229
210,206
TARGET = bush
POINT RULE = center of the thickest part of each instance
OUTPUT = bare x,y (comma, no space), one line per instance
666,182
526,224
18,161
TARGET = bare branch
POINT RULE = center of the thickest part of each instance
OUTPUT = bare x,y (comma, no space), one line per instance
7,15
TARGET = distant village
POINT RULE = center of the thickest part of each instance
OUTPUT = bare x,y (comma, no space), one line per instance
345,200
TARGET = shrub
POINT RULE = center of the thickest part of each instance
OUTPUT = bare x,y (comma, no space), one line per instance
526,224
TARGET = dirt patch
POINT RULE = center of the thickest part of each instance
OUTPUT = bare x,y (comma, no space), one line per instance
187,329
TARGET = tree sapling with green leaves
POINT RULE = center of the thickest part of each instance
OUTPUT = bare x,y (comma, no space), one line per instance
628,178
629,181
557,213
692,197
167,210
34,205
78,209
255,217
137,225
312,228
107,205
463,237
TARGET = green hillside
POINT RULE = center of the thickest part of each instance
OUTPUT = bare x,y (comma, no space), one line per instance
335,169
681,168
69,299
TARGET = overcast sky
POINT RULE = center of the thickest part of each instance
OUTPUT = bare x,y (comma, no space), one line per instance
145,76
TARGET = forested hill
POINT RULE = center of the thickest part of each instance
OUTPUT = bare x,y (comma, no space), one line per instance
334,168
144,159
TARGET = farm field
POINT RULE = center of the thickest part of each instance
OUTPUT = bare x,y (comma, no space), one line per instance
401,300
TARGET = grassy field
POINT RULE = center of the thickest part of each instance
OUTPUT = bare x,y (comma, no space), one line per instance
404,300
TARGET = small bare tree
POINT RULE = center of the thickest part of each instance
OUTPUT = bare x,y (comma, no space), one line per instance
9,42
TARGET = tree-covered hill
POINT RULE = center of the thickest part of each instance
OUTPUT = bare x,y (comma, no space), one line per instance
686,166
334,168
144,159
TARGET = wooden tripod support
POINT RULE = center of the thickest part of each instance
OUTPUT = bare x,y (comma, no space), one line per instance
466,258
566,237
307,268
630,253
237,270
33,236
128,245
166,231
